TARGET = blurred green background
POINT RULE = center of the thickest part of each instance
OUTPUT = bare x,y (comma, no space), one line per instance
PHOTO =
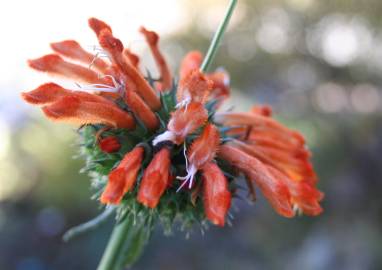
318,63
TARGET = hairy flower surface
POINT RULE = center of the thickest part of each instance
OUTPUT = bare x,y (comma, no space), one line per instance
160,149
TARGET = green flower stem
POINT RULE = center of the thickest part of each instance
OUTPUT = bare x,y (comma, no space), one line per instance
217,37
112,253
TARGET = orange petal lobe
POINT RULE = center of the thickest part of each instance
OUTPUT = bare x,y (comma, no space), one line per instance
190,62
72,50
45,94
220,86
97,26
194,87
303,194
152,39
263,110
186,120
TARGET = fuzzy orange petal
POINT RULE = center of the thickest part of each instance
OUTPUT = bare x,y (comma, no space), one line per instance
51,92
220,86
186,120
115,48
260,124
204,148
191,61
194,87
71,49
216,196
122,178
155,179
141,110
55,65
132,57
72,109
97,25
273,189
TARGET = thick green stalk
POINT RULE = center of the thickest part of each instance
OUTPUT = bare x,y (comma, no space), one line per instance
112,253
217,37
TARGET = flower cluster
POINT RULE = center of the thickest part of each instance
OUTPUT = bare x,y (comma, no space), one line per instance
158,148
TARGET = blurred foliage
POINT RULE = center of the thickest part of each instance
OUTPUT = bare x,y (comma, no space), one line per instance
319,64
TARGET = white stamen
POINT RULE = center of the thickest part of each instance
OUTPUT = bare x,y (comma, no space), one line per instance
99,87
102,87
184,153
296,209
183,103
165,136
100,52
116,84
186,100
191,171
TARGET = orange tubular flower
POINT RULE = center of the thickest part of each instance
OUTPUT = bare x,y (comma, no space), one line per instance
190,113
122,178
109,144
133,58
216,195
152,39
274,190
51,92
55,65
114,47
282,151
201,152
183,121
75,110
141,110
155,179
260,124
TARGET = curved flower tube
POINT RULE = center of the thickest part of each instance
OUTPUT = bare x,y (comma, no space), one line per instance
123,177
216,195
155,179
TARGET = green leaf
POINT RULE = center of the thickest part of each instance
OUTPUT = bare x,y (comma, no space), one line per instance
89,225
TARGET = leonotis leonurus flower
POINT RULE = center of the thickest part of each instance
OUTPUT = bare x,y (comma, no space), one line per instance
158,144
